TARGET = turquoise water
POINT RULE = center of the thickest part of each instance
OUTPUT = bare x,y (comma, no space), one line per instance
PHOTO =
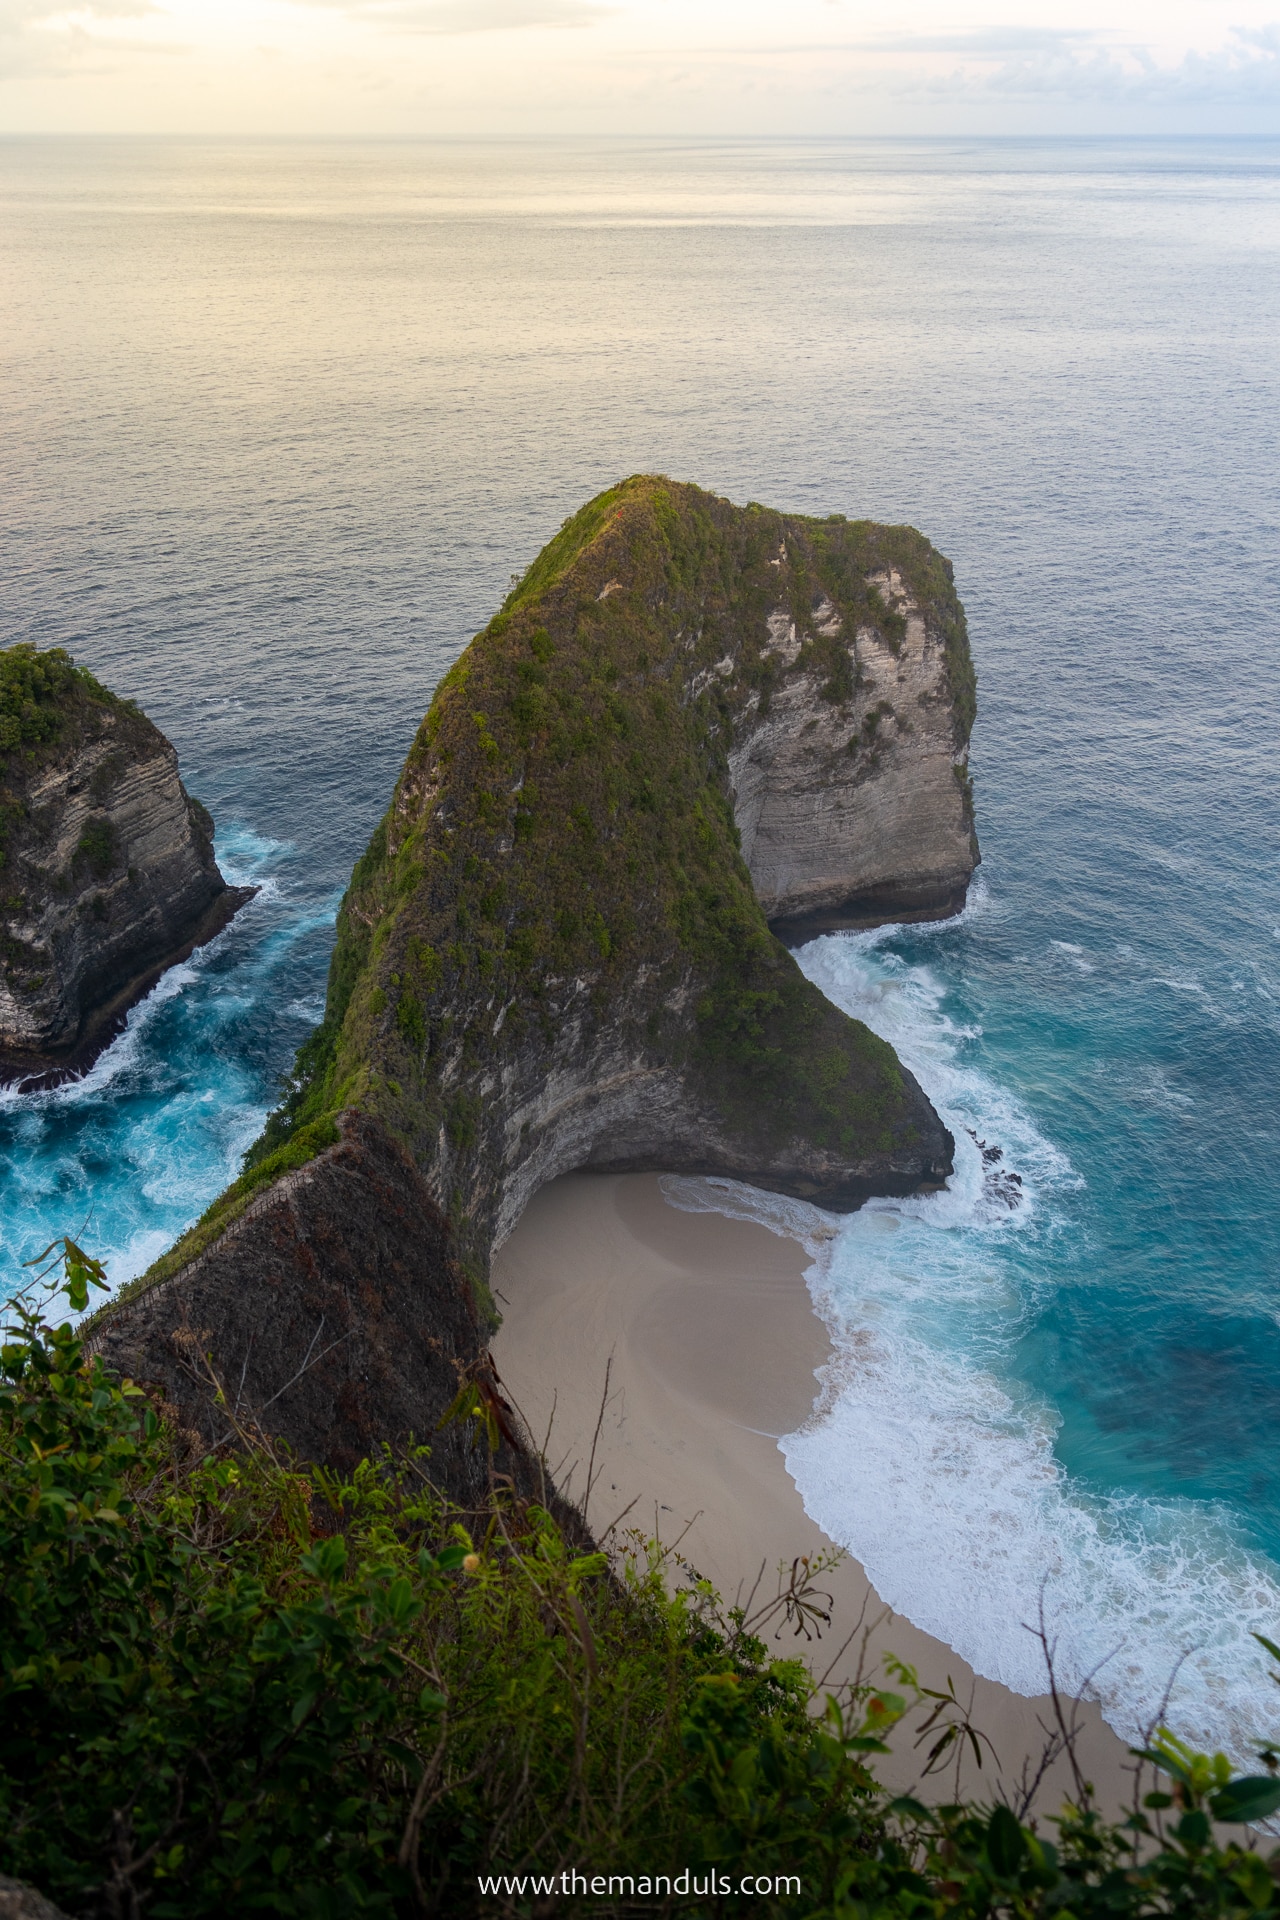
280,421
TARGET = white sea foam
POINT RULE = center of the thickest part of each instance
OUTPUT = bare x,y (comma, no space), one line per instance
1180,986
128,1050
1075,954
122,1054
311,1011
243,853
937,1470
949,1494
131,1152
794,1219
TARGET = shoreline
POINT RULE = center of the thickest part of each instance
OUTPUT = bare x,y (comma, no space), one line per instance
105,1022
703,1327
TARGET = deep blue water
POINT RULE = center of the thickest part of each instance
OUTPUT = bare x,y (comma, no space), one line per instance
280,421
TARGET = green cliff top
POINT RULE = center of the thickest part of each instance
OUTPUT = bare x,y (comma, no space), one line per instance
39,695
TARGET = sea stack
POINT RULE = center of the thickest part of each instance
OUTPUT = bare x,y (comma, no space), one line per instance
688,720
107,874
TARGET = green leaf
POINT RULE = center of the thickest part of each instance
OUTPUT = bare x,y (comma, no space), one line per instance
302,1707
1167,1762
908,1809
1193,1830
1006,1843
1246,1800
327,1560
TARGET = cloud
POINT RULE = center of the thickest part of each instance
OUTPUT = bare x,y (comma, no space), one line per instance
981,40
477,63
1246,69
27,55
16,14
1073,65
468,16
1266,38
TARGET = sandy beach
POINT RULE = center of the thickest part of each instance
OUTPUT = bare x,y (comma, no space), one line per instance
705,1326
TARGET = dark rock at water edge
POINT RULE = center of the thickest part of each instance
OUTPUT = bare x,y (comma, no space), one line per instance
107,870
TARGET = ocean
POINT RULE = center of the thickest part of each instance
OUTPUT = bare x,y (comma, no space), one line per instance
280,421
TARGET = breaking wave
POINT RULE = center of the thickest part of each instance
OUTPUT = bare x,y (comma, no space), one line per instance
935,1465
130,1154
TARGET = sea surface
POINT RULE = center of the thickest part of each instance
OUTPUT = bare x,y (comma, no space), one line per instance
277,424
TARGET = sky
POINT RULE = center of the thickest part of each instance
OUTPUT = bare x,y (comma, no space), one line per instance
449,68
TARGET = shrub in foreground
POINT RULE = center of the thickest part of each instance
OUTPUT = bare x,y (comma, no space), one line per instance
232,1686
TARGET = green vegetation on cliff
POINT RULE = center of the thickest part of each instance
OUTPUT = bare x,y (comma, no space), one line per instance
231,1685
44,698
561,844
38,692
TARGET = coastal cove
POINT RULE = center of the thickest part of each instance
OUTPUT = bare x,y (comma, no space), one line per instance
1095,1365
666,1351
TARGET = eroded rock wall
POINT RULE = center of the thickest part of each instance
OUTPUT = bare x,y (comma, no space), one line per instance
859,813
109,877
598,1103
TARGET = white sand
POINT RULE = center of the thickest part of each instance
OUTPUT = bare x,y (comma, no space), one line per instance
713,1344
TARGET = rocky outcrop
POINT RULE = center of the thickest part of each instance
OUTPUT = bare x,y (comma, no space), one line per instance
20,1902
553,956
856,813
331,1310
108,873
333,1314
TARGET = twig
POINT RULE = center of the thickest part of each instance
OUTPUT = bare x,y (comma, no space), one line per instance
306,1363
618,1522
1030,1782
245,1368
858,1628
595,1438
1068,1730
551,1420
408,1854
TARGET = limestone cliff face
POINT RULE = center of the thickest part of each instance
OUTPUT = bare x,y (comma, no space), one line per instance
555,952
855,813
108,870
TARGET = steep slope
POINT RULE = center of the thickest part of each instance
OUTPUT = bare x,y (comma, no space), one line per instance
107,873
552,955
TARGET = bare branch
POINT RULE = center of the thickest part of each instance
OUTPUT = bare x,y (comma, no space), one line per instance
595,1438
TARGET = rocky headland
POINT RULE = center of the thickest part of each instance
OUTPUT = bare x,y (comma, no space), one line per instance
691,728
107,871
